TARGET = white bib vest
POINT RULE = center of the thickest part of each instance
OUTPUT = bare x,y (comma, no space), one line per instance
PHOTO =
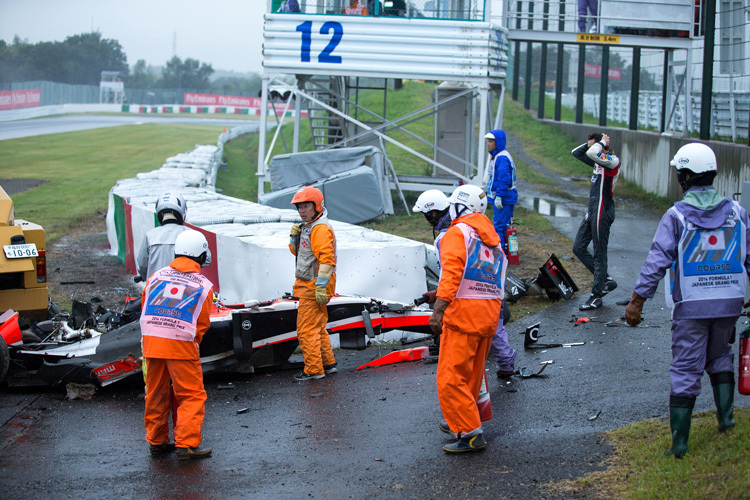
484,273
710,261
173,302
491,170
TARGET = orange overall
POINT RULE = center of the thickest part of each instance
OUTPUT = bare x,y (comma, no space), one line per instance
314,341
176,362
468,325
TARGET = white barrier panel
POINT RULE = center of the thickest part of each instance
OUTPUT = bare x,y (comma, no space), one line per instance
251,255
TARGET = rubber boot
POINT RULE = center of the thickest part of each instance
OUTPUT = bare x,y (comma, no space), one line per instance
723,385
680,411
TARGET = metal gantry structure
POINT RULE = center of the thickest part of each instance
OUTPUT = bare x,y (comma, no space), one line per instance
668,25
323,60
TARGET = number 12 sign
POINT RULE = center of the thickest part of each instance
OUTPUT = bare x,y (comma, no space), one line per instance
326,56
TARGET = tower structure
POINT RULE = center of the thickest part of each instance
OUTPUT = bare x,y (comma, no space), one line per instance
332,57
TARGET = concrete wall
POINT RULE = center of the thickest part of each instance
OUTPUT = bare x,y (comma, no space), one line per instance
645,158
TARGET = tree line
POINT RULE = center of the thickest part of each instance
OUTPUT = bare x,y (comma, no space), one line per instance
80,59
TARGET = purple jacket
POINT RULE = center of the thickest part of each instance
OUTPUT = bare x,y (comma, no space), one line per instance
664,252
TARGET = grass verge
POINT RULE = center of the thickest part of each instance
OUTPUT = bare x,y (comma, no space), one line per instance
82,167
715,466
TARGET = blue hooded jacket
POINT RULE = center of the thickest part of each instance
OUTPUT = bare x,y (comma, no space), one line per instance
502,180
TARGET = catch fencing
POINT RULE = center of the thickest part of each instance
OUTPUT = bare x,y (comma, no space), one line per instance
730,113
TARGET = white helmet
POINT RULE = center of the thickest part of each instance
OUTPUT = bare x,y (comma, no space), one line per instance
191,244
469,198
696,157
432,199
171,202
695,164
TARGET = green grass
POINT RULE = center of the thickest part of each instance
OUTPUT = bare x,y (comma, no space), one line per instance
716,465
242,153
82,167
566,114
546,144
528,219
528,174
239,178
413,95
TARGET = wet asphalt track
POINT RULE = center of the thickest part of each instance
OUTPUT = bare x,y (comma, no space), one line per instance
71,123
372,434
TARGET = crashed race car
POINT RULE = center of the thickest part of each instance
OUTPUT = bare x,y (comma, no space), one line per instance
103,347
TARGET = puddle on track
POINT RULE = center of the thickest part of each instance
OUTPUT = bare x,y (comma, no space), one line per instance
553,208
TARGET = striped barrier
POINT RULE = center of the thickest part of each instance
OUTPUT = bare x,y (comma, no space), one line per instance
227,110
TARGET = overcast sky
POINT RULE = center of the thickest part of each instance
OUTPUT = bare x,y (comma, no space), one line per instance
228,34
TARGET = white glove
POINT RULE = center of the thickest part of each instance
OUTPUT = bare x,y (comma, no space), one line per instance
498,203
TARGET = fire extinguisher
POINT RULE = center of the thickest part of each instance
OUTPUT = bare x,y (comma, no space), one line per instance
511,245
743,382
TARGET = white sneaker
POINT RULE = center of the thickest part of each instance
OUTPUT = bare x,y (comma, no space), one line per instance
593,28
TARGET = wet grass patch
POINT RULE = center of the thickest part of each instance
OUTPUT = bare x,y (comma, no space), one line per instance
715,466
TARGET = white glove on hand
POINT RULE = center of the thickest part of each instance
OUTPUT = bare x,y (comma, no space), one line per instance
498,203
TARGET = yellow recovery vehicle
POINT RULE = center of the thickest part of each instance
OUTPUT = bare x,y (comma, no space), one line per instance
23,264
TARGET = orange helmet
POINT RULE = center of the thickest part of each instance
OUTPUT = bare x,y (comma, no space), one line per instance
309,193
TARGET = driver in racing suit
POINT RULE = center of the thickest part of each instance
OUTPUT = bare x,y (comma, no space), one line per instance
599,217
704,242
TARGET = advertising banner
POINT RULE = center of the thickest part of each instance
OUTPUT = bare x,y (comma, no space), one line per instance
14,99
192,99
595,71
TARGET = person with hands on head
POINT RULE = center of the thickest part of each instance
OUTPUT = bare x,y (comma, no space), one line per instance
599,217
703,242
501,184
466,314
314,245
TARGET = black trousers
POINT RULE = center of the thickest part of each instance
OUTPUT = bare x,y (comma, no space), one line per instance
595,229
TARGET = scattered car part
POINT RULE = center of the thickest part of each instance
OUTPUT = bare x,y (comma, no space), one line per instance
524,374
532,336
83,346
413,354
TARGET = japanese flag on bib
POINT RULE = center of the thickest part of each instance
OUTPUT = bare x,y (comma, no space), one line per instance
172,291
713,240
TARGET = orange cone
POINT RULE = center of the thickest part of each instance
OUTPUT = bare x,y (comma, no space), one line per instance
483,402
